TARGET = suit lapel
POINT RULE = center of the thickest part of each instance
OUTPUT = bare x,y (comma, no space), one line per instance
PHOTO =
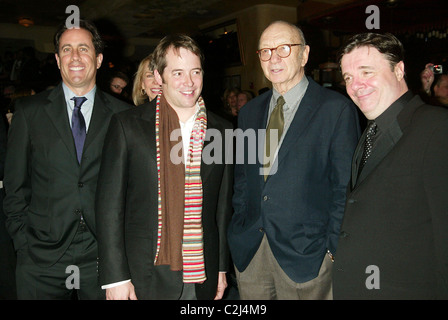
357,160
206,169
261,123
298,125
303,117
387,141
148,115
57,112
97,121
383,146
305,112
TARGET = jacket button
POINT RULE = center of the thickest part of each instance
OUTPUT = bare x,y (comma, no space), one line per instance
265,198
78,212
80,184
351,201
343,234
261,229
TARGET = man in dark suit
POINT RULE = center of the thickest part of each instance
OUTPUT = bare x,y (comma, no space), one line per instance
7,254
51,174
287,221
148,247
394,242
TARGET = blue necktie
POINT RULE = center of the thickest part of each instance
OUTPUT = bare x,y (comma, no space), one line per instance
78,126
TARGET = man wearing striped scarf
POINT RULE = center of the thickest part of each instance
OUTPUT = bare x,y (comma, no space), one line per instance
162,211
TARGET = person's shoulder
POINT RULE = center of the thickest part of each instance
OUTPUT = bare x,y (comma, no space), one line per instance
253,105
330,101
423,118
38,98
217,121
428,112
326,93
32,103
147,109
114,103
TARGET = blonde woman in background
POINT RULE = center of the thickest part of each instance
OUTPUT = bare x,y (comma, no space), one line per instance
145,85
230,101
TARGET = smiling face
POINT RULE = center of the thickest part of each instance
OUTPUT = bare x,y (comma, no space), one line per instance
370,80
77,60
150,85
284,73
181,80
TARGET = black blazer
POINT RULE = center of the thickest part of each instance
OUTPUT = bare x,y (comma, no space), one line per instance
127,208
46,188
396,216
300,207
4,237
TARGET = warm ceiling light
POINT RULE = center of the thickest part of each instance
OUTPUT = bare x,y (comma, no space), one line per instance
392,3
26,22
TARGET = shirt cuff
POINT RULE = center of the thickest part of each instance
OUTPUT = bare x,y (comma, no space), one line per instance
115,284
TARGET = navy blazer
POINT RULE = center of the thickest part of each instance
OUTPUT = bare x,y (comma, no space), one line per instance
300,207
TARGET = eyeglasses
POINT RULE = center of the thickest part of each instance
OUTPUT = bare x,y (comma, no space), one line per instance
283,51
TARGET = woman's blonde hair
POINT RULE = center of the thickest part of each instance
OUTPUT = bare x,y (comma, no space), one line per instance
139,95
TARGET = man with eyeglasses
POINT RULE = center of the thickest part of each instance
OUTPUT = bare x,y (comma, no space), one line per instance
289,205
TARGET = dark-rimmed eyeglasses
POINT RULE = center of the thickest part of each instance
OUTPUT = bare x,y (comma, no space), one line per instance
283,51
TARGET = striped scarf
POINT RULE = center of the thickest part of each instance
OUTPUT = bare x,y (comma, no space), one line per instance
191,251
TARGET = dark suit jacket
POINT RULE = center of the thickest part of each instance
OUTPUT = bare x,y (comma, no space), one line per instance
46,188
396,215
4,237
300,207
127,208
7,254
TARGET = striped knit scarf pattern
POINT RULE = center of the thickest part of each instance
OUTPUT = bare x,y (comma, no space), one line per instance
193,244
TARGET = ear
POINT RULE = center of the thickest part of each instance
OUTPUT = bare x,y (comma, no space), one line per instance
158,77
399,70
99,60
305,55
57,60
